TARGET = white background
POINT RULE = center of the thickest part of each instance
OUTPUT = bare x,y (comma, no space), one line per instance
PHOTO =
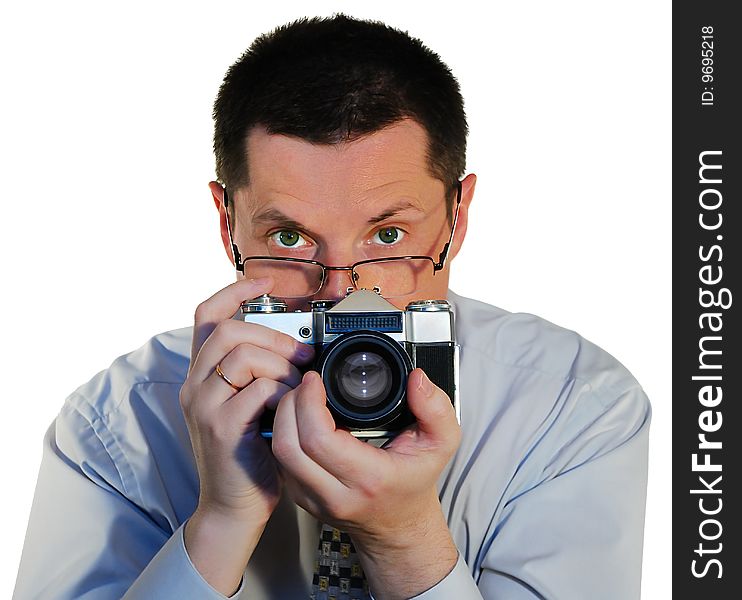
109,234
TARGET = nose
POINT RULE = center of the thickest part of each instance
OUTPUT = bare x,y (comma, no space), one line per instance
336,284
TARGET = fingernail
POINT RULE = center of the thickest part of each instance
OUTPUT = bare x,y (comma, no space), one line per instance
426,387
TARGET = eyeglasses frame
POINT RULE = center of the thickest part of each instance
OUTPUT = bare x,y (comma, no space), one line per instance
239,262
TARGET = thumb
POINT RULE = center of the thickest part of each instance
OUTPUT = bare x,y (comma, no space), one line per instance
432,407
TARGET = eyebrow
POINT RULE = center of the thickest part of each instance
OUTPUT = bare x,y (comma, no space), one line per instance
394,210
273,216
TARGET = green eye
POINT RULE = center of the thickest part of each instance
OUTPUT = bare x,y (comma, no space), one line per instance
288,238
388,235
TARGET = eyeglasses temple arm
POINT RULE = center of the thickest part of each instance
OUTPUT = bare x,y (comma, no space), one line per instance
444,254
235,252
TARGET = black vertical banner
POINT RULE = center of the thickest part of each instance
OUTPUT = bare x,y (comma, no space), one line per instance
707,337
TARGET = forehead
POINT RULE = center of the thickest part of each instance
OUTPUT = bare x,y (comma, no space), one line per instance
386,164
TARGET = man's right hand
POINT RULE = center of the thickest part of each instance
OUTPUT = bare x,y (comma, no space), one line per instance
239,482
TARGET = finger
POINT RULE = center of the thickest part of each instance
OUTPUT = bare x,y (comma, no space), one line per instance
245,363
231,333
335,450
431,406
223,305
245,408
291,457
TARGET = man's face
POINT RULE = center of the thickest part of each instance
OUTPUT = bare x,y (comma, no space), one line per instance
339,204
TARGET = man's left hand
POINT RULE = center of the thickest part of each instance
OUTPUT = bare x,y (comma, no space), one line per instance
385,498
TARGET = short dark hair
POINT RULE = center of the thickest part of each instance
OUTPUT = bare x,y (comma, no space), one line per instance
335,79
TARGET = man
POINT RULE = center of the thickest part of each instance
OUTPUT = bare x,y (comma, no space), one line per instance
339,141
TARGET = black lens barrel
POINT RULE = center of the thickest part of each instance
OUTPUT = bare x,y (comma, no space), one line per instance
365,376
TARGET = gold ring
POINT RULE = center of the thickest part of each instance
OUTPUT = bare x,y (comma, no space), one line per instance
225,378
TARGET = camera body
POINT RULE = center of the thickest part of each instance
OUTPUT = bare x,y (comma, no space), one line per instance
365,349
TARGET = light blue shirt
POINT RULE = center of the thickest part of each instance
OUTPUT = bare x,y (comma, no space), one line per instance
544,498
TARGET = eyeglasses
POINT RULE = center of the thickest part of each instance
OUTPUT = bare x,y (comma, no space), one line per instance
394,276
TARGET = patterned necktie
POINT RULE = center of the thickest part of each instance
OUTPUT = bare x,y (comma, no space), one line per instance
337,570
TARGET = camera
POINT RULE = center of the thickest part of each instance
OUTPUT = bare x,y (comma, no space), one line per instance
365,349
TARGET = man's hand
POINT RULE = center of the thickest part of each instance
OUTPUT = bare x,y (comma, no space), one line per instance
385,498
239,483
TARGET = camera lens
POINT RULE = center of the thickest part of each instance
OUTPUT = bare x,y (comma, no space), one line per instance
365,376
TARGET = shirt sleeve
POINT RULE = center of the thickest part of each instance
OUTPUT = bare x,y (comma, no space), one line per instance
85,536
457,584
577,533
172,574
